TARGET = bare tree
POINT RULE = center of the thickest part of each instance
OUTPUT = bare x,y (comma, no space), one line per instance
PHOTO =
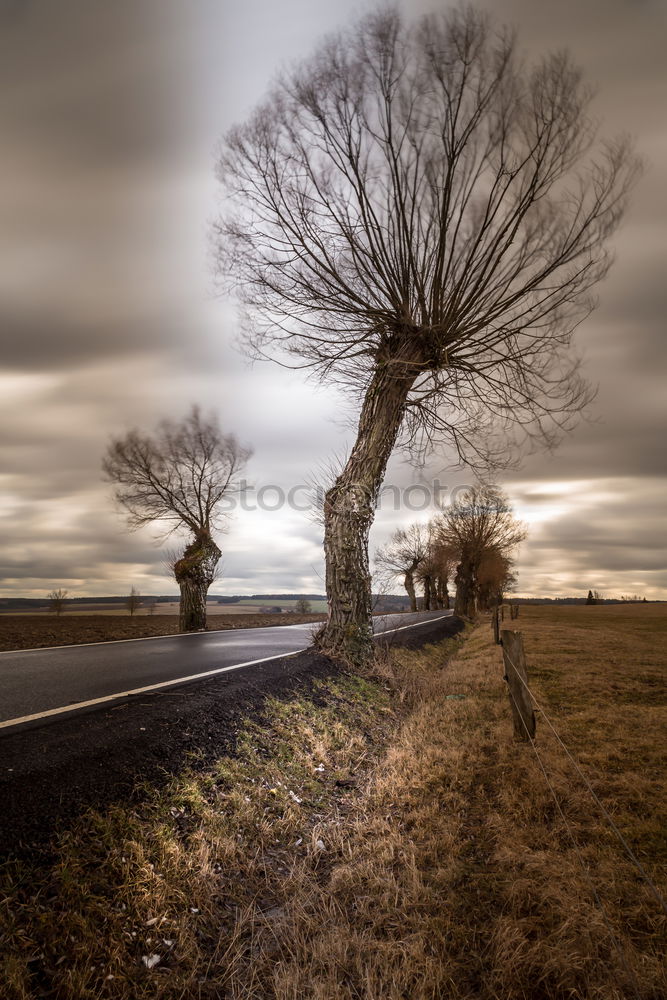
56,601
436,569
494,576
180,476
444,565
479,527
419,217
427,572
402,556
133,601
303,606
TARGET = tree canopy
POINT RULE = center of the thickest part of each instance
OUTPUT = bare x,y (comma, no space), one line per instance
415,192
179,475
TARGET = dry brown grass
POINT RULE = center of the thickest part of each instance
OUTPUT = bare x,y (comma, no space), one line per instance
445,871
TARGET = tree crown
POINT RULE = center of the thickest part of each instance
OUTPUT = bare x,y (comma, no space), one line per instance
480,525
415,195
178,475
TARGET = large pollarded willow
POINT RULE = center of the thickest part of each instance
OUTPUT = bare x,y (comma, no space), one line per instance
418,216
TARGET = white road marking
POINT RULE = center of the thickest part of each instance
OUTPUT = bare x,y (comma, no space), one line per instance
386,631
141,690
178,680
145,638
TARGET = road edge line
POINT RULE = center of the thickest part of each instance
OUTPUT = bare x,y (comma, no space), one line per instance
8,723
63,709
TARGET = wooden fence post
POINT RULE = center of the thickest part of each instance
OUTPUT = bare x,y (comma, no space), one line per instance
515,673
495,625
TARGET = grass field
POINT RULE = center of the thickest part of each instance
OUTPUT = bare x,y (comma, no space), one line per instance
119,610
241,607
387,839
316,606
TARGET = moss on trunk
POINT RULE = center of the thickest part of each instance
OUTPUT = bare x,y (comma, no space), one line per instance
195,572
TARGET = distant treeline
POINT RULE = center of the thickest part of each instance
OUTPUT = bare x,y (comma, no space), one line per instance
18,603
577,600
266,597
384,601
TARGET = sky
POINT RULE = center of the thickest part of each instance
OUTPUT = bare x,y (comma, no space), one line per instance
110,116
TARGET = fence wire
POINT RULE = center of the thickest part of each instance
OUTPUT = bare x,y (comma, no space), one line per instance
596,896
630,853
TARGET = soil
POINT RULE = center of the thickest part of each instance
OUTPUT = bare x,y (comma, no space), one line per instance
36,631
50,773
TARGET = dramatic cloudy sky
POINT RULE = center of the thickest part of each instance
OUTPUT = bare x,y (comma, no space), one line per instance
109,116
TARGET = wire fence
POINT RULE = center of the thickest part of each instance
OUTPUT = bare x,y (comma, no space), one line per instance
605,812
577,849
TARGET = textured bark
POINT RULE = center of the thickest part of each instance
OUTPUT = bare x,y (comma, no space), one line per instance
442,593
349,509
523,713
195,572
409,582
428,593
465,603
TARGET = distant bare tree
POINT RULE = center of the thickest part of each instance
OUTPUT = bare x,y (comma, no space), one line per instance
133,602
417,216
444,566
494,577
180,476
56,601
427,571
303,606
480,527
402,555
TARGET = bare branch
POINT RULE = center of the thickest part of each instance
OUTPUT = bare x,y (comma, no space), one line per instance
179,476
418,183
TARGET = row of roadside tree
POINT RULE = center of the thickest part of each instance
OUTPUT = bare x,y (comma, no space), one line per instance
468,545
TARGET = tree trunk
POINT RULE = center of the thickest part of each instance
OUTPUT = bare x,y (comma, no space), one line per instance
442,593
465,603
409,583
428,593
195,572
349,509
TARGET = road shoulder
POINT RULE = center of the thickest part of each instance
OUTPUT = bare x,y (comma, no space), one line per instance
51,773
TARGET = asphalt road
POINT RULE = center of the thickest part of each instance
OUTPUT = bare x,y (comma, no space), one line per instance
42,683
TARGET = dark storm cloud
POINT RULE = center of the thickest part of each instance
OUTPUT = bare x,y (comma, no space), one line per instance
38,341
94,135
87,82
